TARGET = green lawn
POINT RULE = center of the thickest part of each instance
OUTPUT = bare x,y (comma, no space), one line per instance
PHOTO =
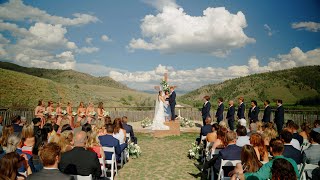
162,158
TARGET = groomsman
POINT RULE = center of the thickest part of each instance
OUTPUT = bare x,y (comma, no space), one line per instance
230,115
279,116
267,112
172,102
253,112
205,111
241,108
219,113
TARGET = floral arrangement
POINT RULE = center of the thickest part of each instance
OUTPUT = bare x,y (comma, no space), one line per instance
146,122
92,113
195,151
134,150
82,114
184,122
105,113
74,113
165,86
45,112
64,112
53,114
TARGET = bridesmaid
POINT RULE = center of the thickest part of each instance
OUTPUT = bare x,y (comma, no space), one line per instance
89,112
38,112
59,113
50,110
100,111
81,112
70,115
167,109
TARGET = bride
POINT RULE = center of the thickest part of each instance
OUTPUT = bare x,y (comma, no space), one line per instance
159,116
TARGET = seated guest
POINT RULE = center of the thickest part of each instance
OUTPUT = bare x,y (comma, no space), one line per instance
207,128
66,127
220,142
109,141
276,149
6,132
268,134
211,137
16,124
260,127
120,133
294,128
47,132
129,129
36,125
294,142
313,152
243,139
100,128
80,161
108,120
258,144
50,155
93,145
249,159
15,145
66,141
283,169
289,150
252,128
306,129
9,165
28,138
87,127
316,126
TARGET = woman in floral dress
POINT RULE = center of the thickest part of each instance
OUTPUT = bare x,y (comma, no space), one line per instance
90,113
70,115
81,112
39,112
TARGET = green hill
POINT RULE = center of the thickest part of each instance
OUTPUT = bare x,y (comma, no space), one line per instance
64,76
294,86
24,90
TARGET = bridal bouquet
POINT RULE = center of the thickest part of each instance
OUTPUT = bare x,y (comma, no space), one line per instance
134,150
146,122
82,114
74,113
45,112
194,152
53,114
106,113
64,112
184,122
92,113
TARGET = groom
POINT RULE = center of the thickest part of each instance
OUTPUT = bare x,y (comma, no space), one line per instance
172,102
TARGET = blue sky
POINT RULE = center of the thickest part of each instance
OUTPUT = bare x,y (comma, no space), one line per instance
143,39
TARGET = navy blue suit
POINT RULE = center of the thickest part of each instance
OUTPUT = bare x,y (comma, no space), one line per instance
205,111
17,128
298,137
219,113
109,141
172,102
240,113
231,152
266,114
129,129
253,114
293,153
230,117
279,118
205,130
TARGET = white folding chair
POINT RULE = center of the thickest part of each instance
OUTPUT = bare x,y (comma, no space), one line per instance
305,168
112,162
226,163
78,177
128,137
103,167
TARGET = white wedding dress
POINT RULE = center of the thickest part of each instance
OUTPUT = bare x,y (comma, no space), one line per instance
159,117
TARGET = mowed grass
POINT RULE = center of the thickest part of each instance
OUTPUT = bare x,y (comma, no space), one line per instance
162,158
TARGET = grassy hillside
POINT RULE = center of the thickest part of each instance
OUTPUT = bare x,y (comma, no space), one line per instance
23,90
293,86
64,76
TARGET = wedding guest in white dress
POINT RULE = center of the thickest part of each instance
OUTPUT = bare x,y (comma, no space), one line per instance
119,133
159,115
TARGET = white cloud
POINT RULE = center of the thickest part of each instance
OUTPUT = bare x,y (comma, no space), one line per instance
95,69
268,29
105,38
87,50
194,78
308,26
172,30
15,10
89,40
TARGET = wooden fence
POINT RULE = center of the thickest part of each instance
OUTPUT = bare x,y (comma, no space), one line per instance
135,114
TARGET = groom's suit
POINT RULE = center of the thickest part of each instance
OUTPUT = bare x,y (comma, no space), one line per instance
172,102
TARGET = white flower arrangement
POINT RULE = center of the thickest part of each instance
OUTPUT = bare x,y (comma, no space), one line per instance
64,112
134,150
146,122
45,113
74,113
92,113
194,152
184,122
82,114
53,114
165,85
106,113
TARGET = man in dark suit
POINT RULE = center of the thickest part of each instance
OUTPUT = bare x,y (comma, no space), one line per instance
267,112
289,150
219,113
16,124
205,111
172,102
129,129
230,115
253,114
50,155
279,116
241,108
109,141
205,129
80,161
